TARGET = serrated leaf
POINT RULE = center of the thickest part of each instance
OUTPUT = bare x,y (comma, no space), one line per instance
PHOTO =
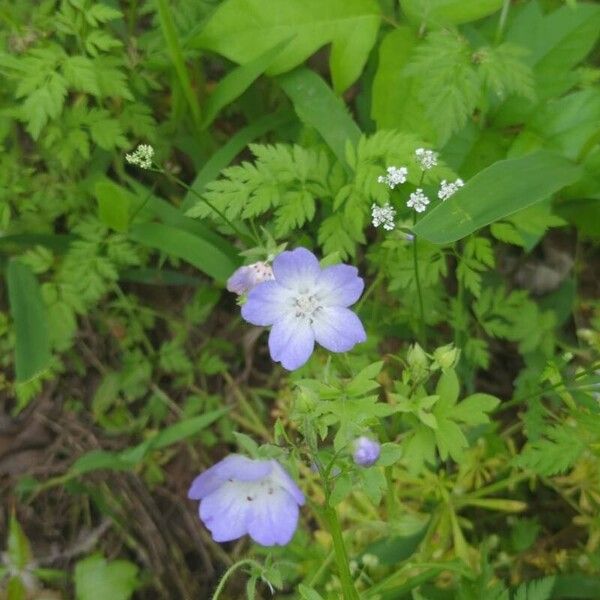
540,589
448,12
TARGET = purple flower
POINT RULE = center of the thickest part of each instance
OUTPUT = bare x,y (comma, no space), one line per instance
245,278
304,304
366,451
242,496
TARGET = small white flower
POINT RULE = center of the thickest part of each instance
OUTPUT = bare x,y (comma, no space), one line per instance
370,560
418,200
142,156
395,176
383,215
426,158
447,189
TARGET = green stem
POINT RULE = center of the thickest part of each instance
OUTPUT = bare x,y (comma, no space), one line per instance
208,203
502,20
230,571
341,556
419,291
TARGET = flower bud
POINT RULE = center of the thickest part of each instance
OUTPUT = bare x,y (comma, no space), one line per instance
417,361
245,278
366,451
446,356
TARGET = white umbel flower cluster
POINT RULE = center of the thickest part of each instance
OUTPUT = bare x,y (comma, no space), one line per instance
418,200
449,188
142,156
383,215
426,158
395,176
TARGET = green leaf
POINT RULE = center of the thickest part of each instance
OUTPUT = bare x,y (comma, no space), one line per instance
472,410
450,440
96,460
307,593
448,12
224,155
179,243
447,389
540,589
555,452
318,107
496,192
557,42
18,548
97,579
113,205
395,103
165,18
236,82
32,346
241,30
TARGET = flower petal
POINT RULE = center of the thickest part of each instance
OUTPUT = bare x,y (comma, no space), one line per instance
338,329
291,342
296,269
340,285
225,513
281,476
273,520
267,302
234,466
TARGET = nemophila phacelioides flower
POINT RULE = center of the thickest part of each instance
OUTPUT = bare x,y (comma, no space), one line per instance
305,304
240,496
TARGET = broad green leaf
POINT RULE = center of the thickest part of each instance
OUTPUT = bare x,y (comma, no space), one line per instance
241,30
318,107
32,346
97,579
390,453
181,244
235,83
496,192
224,155
448,12
395,104
113,205
557,42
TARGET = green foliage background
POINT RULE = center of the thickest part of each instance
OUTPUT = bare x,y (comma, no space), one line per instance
126,369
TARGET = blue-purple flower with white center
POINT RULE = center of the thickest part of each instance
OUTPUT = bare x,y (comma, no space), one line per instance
366,451
240,496
245,278
304,304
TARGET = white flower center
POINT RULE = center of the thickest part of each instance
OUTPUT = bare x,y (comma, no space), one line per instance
306,305
249,491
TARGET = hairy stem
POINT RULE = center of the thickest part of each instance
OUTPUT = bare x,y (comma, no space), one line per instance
230,571
341,555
